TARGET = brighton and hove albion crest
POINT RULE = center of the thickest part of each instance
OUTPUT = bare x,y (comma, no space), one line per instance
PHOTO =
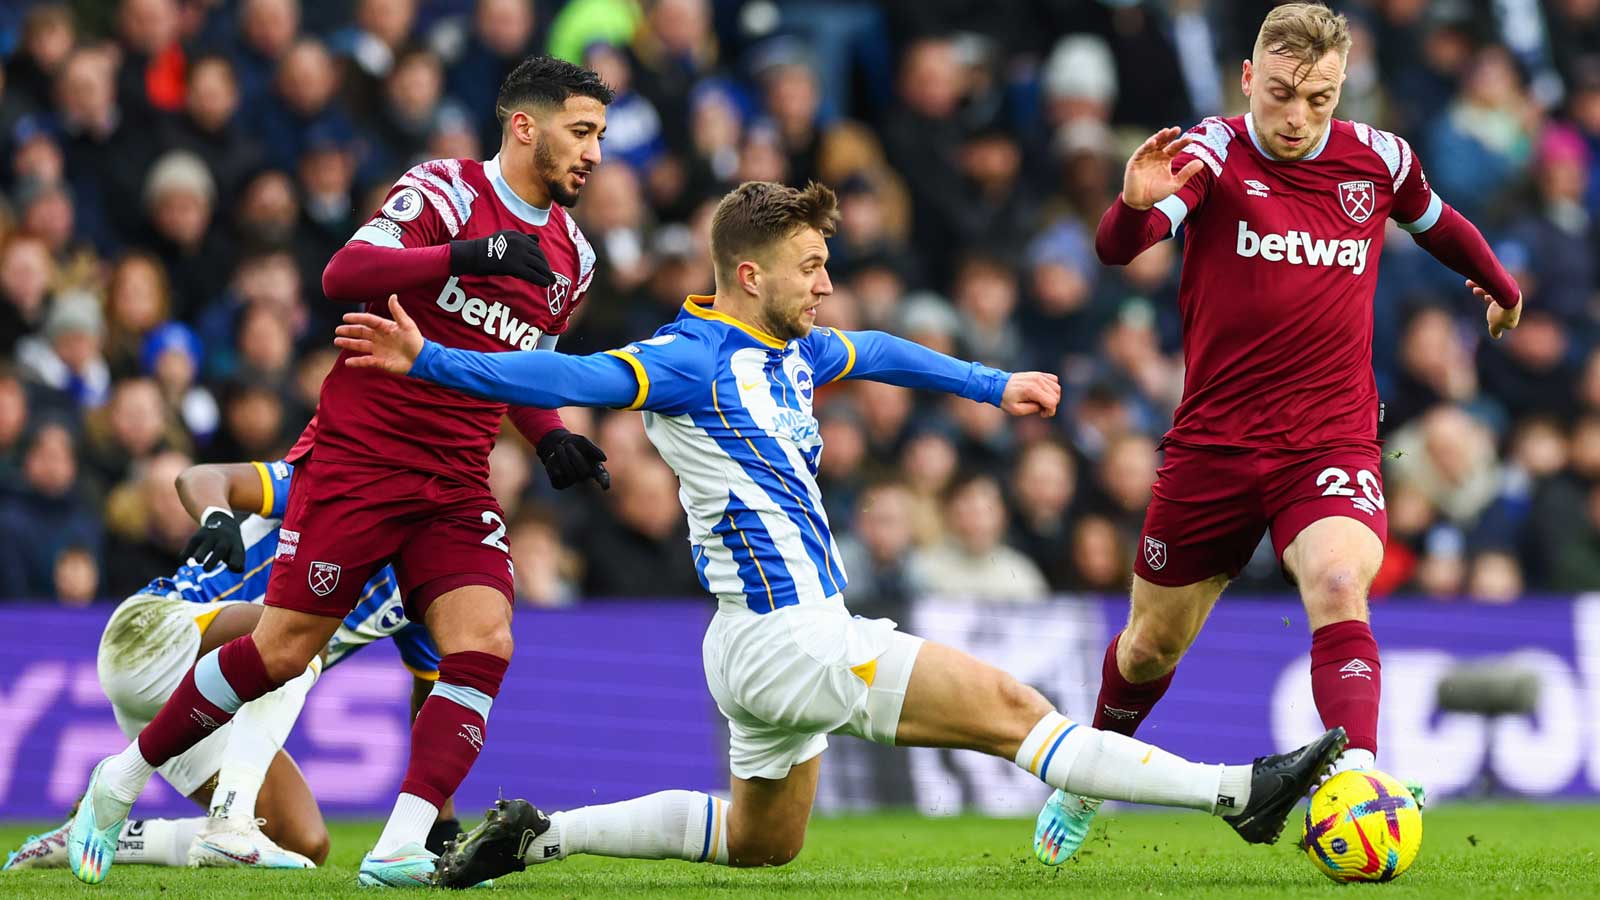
1155,553
323,578
1358,199
558,293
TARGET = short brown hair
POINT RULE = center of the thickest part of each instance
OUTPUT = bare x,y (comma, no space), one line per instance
1305,32
758,213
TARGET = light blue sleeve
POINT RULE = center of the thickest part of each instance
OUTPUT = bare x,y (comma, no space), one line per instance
530,377
876,356
663,374
671,371
275,479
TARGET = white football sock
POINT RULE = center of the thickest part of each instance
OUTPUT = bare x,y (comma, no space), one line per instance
408,824
158,842
1354,759
123,776
259,730
666,825
1074,757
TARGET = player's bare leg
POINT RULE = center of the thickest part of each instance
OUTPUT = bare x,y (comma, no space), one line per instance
472,627
954,700
1162,623
1334,560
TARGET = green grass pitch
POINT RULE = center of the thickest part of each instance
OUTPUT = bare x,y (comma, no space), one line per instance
1469,851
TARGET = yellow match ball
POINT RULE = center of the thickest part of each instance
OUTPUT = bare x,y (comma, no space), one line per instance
1362,825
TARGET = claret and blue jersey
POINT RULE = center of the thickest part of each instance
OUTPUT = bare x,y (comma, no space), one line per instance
729,408
380,613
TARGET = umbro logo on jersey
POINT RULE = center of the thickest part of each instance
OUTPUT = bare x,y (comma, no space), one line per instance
1356,668
497,247
1255,188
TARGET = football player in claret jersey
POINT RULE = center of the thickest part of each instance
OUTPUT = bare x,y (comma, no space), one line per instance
395,472
1284,211
727,391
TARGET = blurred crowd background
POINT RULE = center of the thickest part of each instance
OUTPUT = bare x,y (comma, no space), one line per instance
175,174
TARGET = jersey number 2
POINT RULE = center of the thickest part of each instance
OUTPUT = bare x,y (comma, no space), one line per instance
1337,483
496,538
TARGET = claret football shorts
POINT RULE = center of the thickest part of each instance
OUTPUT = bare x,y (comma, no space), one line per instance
1210,507
345,522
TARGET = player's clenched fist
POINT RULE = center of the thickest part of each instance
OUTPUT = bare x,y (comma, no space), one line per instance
1148,178
379,343
508,252
1028,393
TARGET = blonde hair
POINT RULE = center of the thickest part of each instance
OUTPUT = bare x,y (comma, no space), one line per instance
757,214
1305,32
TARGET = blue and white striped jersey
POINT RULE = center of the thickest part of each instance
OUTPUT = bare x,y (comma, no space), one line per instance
730,410
379,615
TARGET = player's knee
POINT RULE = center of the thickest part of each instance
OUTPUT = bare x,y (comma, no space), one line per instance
1144,656
315,844
1020,703
283,662
1336,593
496,641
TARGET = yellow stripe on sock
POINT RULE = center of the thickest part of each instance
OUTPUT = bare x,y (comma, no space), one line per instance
716,829
1039,754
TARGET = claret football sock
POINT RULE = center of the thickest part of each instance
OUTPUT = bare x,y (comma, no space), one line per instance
1346,681
1122,704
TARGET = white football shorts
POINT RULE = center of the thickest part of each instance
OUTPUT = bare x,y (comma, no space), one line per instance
149,644
786,679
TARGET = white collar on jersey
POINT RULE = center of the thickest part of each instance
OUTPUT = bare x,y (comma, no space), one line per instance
519,207
1250,129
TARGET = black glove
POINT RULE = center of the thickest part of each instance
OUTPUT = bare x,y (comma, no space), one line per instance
217,541
570,458
508,252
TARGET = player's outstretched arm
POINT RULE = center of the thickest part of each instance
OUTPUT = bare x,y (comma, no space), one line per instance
361,271
522,377
877,356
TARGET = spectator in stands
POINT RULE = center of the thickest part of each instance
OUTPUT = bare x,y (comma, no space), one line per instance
13,424
137,301
1557,232
1101,560
985,294
172,355
43,514
634,133
107,150
67,355
412,104
209,127
976,563
151,75
48,36
644,525
1484,139
1450,457
267,29
1435,367
1044,482
500,36
129,430
147,523
305,91
180,197
27,273
1125,473
877,552
546,569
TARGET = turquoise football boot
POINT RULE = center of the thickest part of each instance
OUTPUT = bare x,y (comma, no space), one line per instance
92,839
1062,826
410,866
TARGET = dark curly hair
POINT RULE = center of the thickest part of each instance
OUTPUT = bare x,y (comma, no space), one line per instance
544,81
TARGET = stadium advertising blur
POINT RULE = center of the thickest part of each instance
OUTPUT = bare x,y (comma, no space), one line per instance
613,704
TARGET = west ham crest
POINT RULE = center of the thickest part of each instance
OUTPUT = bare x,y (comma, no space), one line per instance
1358,199
559,291
323,578
1155,553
